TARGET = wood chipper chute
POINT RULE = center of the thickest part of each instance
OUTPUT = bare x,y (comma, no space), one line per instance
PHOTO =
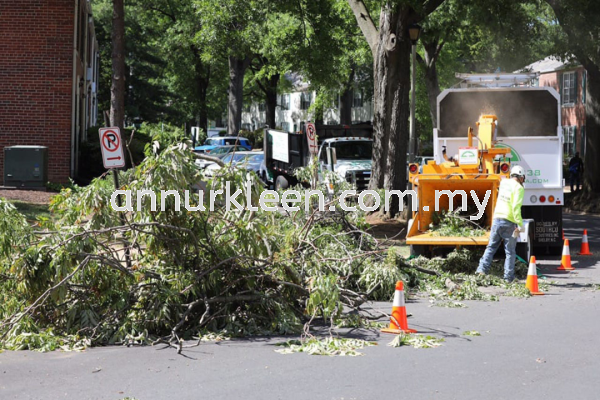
467,180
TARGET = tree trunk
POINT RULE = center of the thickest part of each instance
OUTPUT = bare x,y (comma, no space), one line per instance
591,180
237,69
117,88
391,106
429,64
346,101
202,81
271,99
391,48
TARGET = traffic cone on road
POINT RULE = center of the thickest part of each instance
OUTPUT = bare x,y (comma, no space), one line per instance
532,279
585,246
565,262
398,321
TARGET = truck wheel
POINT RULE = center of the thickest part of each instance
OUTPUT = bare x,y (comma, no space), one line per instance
417,250
281,183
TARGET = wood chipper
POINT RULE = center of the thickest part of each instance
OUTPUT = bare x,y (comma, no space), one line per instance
468,179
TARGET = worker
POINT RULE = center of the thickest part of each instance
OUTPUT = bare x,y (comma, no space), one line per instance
507,223
575,171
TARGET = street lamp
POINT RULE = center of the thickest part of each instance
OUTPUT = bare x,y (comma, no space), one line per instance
414,31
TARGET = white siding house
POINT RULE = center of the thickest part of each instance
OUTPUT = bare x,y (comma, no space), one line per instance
292,108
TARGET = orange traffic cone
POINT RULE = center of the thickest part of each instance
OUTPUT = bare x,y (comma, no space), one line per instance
585,246
532,279
565,262
398,321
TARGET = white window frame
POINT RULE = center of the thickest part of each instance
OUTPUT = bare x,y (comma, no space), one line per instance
568,87
569,143
285,101
358,99
305,100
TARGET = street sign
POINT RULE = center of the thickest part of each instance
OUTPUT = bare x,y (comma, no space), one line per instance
112,148
311,135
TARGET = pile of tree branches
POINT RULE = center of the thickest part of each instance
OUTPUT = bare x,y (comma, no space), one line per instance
93,275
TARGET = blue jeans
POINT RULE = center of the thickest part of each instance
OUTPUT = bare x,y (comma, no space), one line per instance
502,229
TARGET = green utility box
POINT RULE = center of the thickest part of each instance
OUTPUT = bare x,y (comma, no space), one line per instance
26,166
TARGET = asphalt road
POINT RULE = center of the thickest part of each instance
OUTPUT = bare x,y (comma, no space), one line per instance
541,347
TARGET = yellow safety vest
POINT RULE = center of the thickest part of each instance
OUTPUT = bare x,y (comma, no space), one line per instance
509,201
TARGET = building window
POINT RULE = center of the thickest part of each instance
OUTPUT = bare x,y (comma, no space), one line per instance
569,88
284,101
305,100
261,106
569,133
357,98
246,107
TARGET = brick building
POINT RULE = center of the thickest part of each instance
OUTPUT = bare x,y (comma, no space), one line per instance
569,80
48,79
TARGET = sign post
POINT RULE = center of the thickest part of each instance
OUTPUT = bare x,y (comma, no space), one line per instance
114,158
313,148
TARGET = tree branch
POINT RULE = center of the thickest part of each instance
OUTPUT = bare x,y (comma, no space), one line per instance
366,24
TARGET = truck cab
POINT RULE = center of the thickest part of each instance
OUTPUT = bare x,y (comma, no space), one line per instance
352,161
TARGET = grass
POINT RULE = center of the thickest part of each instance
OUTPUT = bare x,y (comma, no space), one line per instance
32,210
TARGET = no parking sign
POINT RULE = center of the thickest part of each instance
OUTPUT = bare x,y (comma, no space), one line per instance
311,135
112,148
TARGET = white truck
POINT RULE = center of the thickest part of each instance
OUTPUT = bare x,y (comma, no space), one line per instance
529,123
344,149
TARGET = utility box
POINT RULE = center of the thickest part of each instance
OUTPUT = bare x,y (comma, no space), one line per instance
26,166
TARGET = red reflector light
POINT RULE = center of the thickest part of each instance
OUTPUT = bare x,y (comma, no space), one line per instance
551,199
413,168
504,167
542,199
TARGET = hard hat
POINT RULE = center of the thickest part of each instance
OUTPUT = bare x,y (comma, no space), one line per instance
517,170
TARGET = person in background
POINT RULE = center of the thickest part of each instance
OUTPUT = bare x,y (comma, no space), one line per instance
507,223
576,171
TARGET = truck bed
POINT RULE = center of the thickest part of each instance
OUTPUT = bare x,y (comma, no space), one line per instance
428,239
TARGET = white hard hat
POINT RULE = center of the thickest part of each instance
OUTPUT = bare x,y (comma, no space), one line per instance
517,170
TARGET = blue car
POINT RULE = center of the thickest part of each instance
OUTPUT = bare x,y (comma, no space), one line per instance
214,142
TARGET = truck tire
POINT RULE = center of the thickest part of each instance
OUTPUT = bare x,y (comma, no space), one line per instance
281,183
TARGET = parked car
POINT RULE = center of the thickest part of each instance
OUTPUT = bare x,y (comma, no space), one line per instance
211,143
249,160
219,152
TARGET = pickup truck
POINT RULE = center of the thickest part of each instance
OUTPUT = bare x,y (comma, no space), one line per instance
343,149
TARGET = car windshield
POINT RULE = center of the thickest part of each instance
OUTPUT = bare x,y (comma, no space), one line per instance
256,158
222,150
359,150
240,157
211,142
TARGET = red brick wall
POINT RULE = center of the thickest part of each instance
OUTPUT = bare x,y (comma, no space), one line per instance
36,78
570,115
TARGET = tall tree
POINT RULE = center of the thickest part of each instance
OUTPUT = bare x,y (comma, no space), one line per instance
580,20
231,30
117,89
391,47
